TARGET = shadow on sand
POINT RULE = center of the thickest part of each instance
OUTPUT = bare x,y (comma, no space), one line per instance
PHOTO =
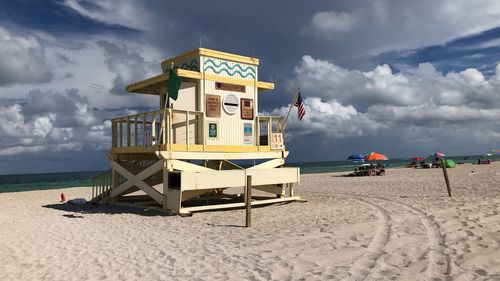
88,208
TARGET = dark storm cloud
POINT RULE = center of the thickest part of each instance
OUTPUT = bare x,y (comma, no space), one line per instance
128,65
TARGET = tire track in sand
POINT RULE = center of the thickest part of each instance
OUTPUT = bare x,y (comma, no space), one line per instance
362,266
439,261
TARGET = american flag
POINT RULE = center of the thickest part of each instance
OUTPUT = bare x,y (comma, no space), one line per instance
300,107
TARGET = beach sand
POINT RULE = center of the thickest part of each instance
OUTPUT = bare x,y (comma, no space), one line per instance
400,226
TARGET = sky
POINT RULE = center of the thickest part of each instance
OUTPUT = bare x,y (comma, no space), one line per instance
403,78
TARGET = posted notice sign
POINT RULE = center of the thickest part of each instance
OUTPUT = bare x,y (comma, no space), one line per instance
247,133
212,130
213,106
276,141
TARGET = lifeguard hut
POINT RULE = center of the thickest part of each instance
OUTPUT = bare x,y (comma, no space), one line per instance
184,156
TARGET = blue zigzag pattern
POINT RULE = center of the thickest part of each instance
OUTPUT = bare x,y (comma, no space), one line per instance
243,72
193,65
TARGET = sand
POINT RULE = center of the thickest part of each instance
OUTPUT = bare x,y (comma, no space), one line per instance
400,226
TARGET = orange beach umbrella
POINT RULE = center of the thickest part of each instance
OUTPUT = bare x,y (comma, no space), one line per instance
375,156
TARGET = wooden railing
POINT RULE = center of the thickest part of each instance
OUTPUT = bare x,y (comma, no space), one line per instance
101,184
149,130
157,127
267,127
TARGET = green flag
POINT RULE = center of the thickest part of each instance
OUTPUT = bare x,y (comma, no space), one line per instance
173,84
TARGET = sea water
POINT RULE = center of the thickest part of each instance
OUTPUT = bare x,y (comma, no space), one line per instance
25,182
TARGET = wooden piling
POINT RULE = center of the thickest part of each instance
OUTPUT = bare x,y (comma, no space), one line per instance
445,173
248,202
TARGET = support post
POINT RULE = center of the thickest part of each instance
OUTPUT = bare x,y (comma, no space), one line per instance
248,202
445,173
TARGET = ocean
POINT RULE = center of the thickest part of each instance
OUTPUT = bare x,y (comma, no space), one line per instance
25,182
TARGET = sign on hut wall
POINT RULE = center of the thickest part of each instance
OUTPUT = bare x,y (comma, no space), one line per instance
212,130
276,141
213,106
229,87
247,133
247,109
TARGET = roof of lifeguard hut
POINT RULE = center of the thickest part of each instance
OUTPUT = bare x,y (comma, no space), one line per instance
187,67
209,53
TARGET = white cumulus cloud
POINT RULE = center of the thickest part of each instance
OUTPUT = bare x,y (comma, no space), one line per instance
45,122
22,60
343,103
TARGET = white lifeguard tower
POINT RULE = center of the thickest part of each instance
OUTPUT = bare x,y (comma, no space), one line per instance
182,156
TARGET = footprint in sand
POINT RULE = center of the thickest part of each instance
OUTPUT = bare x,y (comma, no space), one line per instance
469,233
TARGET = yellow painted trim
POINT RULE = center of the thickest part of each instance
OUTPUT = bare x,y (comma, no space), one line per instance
189,74
263,86
159,80
140,86
228,56
209,53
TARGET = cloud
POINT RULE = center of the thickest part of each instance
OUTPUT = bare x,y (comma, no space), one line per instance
52,122
116,12
329,118
342,103
331,24
127,64
22,60
374,27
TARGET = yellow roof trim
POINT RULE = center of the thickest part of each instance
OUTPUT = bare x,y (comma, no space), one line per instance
154,84
210,53
264,86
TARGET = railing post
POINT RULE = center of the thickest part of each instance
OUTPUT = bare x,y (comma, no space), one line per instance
143,128
121,133
202,128
135,130
128,131
170,129
163,120
153,130
257,131
113,134
269,130
187,129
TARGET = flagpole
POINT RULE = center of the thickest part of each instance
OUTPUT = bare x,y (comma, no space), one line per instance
290,109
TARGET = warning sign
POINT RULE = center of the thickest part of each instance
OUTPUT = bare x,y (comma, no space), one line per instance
212,130
247,133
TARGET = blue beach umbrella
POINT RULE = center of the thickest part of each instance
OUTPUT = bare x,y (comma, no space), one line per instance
356,158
